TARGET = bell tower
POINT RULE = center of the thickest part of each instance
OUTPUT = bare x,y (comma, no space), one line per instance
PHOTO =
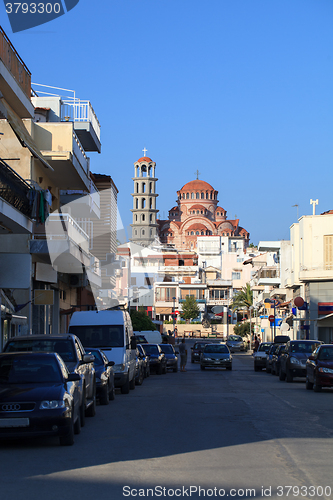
144,226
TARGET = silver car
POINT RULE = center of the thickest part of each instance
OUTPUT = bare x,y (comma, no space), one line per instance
236,343
216,356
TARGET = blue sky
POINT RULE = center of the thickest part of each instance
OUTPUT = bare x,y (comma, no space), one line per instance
239,89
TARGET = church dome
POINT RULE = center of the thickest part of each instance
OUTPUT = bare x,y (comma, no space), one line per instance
197,184
144,158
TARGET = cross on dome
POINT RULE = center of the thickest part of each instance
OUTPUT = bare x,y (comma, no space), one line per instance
144,151
197,173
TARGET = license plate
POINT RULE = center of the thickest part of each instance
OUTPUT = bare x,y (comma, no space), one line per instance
13,422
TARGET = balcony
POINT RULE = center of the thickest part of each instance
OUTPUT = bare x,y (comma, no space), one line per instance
15,79
15,210
318,273
62,149
269,276
62,108
82,204
62,243
178,269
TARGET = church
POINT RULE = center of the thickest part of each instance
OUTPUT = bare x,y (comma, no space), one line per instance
197,212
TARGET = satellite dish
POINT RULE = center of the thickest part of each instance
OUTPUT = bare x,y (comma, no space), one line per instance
284,327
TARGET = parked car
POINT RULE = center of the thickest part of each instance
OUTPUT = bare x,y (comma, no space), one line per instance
171,356
140,339
39,397
216,356
157,359
75,357
236,343
259,356
145,359
269,357
105,389
293,360
139,373
319,368
196,351
275,367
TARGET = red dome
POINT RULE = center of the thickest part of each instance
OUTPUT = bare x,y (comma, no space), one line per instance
197,185
144,158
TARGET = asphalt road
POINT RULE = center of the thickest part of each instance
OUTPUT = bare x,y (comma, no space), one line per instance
244,433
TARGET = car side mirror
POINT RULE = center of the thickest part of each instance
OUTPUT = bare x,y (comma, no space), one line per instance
312,358
73,377
88,358
133,343
110,363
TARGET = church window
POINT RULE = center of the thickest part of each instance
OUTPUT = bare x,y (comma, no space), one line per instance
197,232
136,187
143,217
202,233
151,218
143,232
150,187
136,218
201,212
223,234
143,187
143,203
150,202
218,213
192,233
198,212
149,171
187,196
188,233
136,203
211,195
207,195
198,196
202,196
192,196
135,232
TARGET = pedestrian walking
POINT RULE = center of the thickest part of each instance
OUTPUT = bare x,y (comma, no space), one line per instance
183,355
256,344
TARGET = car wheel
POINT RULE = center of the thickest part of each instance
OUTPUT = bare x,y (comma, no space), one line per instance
91,410
165,369
83,409
132,384
289,376
229,367
140,379
126,387
148,371
68,439
308,384
77,425
282,375
104,397
316,386
202,367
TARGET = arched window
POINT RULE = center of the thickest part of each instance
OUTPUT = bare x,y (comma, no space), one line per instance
151,218
218,213
150,187
187,196
151,232
150,202
149,171
211,195
136,203
198,196
197,232
143,203
135,232
136,218
192,233
136,187
201,212
202,233
143,217
202,196
143,232
207,195
143,187
192,196
223,234
198,212
188,233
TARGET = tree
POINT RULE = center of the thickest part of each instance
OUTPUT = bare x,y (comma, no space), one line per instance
243,329
190,308
141,321
243,299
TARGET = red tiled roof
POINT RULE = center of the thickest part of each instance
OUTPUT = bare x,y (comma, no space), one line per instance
201,207
197,227
197,184
144,158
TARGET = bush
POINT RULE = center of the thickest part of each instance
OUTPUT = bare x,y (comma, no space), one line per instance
243,329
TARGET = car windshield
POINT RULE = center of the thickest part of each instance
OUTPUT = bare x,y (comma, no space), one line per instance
216,348
99,335
63,347
98,361
326,353
29,370
167,348
199,346
151,349
235,338
303,347
264,347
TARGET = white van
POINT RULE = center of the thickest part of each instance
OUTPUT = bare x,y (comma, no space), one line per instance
152,336
110,331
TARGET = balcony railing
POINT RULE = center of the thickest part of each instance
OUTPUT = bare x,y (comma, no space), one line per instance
14,189
14,64
80,111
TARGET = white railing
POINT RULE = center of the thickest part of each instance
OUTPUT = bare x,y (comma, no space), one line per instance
80,111
79,153
63,226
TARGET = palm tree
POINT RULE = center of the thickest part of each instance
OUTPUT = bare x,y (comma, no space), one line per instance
243,299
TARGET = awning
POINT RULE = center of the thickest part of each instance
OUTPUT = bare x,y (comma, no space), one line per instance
23,136
163,310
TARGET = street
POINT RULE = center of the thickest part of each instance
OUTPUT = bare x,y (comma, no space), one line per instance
241,432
